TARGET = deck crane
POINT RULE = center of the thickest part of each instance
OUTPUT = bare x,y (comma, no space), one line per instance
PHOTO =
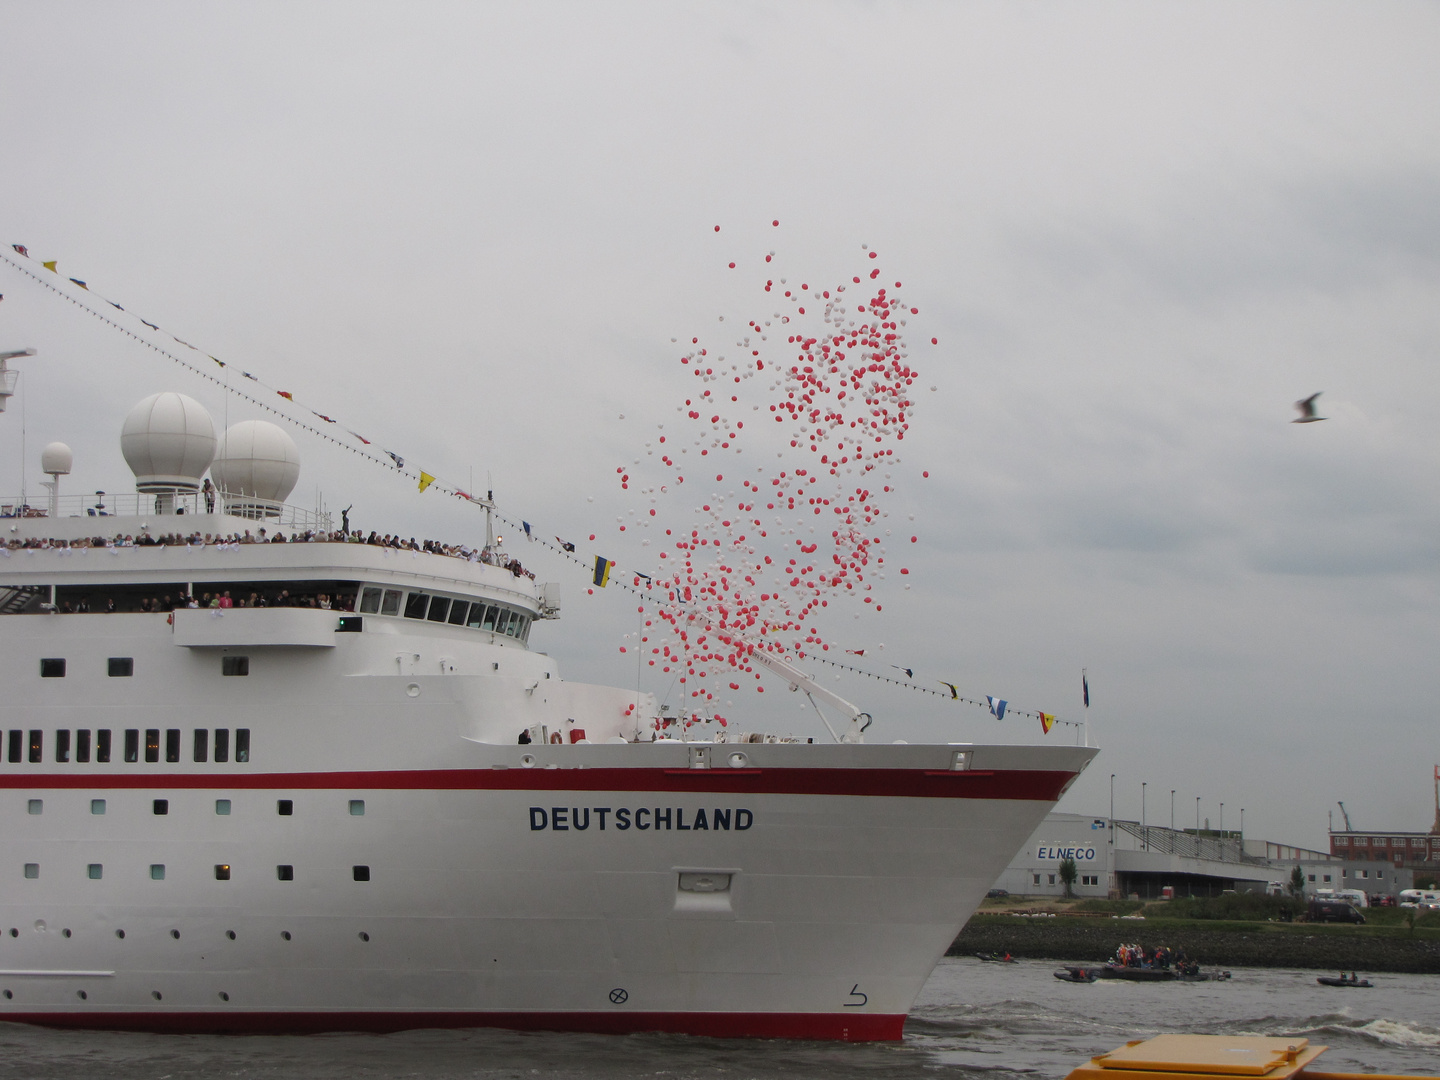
1346,816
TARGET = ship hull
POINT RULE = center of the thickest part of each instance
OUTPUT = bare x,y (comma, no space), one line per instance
773,900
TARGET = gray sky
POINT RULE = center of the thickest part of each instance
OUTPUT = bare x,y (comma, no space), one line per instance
1139,232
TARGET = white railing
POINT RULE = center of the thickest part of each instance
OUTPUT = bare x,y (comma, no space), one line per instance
1224,848
164,507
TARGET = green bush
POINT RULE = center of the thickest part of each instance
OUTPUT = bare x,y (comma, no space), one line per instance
1237,907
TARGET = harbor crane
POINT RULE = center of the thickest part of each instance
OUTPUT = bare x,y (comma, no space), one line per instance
1345,814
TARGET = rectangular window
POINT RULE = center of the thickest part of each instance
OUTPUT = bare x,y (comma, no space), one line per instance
132,744
242,744
524,631
1326,879
121,667
172,744
439,609
222,871
17,741
457,612
362,873
1051,878
285,807
477,616
102,746
32,870
391,604
82,744
1312,878
95,871
160,807
157,871
62,744
490,613
152,744
369,602
37,747
222,807
35,806
202,744
285,873
222,744
415,605
1364,873
97,806
1342,841
357,807
52,667
234,665
1037,878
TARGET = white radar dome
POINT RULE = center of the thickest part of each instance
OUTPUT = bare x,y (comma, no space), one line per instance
256,460
168,441
56,459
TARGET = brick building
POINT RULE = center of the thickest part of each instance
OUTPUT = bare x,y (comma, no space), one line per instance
1399,849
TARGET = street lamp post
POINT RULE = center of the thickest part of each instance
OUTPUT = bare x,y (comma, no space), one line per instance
1197,821
1222,821
1112,807
1144,834
1172,814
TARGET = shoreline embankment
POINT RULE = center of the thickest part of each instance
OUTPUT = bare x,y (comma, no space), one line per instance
1214,944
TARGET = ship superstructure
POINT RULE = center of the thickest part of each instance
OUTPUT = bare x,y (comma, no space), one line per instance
261,774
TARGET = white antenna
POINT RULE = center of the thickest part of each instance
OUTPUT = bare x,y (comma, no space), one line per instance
8,375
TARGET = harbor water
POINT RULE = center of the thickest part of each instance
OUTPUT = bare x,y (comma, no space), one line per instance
973,1019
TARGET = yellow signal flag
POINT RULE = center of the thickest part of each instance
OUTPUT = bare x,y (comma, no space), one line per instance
51,265
1047,721
425,479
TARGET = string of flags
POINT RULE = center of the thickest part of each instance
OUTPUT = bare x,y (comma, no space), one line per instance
602,568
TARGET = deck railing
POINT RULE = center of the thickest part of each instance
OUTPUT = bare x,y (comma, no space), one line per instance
164,508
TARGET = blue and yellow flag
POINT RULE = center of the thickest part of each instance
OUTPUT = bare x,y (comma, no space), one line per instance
603,566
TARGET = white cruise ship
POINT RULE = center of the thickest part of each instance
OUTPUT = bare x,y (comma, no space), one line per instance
325,785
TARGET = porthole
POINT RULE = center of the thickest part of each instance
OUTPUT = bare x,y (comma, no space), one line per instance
224,996
230,934
527,761
364,936
120,934
8,995
155,994
284,935
81,994
175,934
65,932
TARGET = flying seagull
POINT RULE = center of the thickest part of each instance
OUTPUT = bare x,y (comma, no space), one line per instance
1307,410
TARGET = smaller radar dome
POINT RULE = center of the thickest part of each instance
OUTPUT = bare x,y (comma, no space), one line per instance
168,441
56,459
256,466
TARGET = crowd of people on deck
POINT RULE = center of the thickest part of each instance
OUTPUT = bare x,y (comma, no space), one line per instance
219,600
489,555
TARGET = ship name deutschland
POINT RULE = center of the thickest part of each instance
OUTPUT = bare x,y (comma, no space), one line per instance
565,818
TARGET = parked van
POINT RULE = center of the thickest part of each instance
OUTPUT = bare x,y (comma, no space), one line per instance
1339,911
1351,896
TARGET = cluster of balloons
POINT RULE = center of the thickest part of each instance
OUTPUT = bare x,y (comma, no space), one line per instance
774,540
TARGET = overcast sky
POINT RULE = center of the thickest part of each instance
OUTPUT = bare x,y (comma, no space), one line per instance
1139,233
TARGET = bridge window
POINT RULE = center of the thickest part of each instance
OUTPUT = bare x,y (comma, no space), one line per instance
202,744
415,605
152,744
52,667
102,746
477,616
235,665
457,612
172,744
82,744
242,744
121,667
370,602
62,744
222,744
391,604
439,608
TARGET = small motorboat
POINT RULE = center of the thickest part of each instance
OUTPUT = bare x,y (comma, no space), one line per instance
995,958
1344,980
1077,975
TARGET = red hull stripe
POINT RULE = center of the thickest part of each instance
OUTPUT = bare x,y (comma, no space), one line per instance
1031,785
861,1027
